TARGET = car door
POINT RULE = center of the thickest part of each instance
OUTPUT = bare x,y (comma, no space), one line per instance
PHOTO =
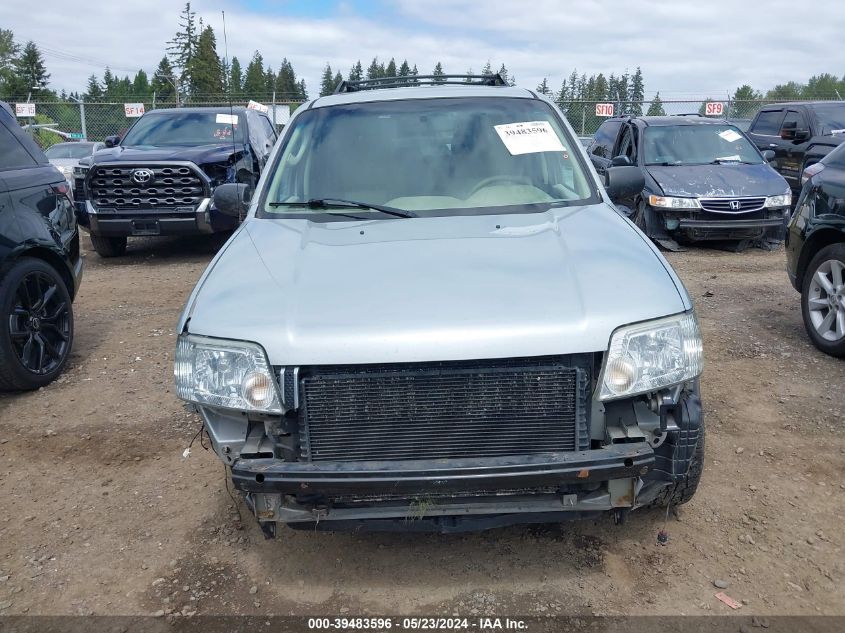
765,132
604,141
790,152
626,146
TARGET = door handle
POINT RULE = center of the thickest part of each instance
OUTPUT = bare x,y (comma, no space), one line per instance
773,144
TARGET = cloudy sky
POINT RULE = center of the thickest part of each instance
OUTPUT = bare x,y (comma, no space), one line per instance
686,48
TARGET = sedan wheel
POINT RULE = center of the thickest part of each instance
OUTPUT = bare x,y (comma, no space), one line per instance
824,300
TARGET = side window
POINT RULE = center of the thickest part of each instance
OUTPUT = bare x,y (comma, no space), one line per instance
769,123
628,144
268,126
605,138
13,155
795,117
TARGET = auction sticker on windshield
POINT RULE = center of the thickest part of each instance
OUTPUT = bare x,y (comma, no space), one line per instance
227,118
529,137
730,135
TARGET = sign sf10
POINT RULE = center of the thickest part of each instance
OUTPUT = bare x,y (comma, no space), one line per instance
604,109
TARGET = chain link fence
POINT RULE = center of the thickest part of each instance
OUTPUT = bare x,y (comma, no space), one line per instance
97,120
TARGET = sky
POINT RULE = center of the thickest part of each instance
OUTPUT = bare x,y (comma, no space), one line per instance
686,49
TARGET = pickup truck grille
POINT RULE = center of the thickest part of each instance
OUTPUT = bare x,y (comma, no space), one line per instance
444,410
171,187
732,205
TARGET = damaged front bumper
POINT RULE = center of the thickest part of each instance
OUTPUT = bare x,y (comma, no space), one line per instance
703,225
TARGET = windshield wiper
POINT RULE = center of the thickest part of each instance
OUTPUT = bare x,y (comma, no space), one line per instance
723,161
305,204
330,203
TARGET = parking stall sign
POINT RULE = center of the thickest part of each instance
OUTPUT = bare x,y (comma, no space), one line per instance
133,110
25,109
604,109
714,108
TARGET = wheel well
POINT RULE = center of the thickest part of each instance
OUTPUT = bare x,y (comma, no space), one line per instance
56,262
817,242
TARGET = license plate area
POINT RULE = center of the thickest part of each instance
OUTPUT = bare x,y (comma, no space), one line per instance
145,227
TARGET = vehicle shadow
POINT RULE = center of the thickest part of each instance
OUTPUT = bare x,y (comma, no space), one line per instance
151,250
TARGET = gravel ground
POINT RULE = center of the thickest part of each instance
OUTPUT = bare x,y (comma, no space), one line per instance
101,513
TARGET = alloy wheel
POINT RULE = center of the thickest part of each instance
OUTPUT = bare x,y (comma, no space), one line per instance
39,323
826,300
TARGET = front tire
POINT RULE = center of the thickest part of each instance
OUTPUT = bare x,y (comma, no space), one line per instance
823,300
109,246
36,325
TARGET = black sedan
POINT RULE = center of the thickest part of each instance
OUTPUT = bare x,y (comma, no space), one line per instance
815,249
40,265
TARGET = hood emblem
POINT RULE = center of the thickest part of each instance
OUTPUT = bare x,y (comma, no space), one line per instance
735,205
143,176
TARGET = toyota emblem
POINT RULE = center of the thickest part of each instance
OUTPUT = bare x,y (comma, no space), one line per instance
735,205
143,176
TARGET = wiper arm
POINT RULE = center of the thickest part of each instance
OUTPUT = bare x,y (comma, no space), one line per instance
305,204
327,203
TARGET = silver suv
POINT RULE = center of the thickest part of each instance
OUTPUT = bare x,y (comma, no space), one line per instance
434,318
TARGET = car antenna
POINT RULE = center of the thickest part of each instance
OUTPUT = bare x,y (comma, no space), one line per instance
229,93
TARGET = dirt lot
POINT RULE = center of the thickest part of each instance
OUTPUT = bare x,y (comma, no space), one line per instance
101,513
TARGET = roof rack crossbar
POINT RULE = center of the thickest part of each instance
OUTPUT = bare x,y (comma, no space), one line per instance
420,80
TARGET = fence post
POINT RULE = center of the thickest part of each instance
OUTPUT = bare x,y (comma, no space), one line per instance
154,100
583,119
82,118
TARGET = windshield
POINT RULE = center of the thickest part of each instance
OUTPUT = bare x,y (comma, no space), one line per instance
458,154
831,117
185,128
70,150
697,145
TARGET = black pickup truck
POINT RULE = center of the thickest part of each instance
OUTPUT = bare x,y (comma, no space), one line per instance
159,179
800,134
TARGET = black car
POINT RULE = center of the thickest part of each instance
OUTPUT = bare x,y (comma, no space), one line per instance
704,179
159,179
799,134
815,248
40,266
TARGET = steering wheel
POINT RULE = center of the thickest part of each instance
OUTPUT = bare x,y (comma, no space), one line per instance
524,180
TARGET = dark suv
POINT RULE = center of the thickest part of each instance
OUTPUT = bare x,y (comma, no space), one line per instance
799,134
40,266
159,179
704,180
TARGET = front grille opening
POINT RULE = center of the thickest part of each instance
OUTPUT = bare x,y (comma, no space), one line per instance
449,410
171,188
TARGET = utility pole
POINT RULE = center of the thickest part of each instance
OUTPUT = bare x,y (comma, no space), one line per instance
81,103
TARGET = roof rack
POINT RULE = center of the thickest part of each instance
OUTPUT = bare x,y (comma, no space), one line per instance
688,114
420,80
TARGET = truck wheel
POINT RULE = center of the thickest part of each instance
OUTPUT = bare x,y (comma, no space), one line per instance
36,325
823,300
684,490
109,246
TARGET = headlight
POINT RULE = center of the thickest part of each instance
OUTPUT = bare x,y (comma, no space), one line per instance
79,171
229,374
783,200
673,203
651,355
66,171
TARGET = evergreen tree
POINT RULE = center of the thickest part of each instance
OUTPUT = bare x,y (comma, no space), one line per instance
356,73
487,70
8,53
404,69
438,73
543,87
205,70
93,91
375,71
636,93
656,107
790,91
270,79
338,78
602,88
503,73
236,80
744,103
109,83
327,82
287,87
254,80
390,70
413,75
183,47
140,85
163,82
302,90
30,71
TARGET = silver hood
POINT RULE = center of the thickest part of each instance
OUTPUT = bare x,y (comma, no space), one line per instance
438,288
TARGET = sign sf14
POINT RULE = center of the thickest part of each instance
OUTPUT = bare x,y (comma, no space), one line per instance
133,110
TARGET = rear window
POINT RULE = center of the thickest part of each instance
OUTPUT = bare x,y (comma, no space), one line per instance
831,118
70,150
768,123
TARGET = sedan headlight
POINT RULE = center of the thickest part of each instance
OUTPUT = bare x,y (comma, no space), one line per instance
228,374
673,203
79,171
783,200
66,171
651,355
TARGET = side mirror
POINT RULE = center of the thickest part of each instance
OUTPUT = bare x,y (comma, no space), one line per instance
231,198
768,155
790,132
112,141
801,135
623,182
621,161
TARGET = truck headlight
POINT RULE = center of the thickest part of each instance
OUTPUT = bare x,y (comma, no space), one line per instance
663,202
783,200
79,171
228,374
651,355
